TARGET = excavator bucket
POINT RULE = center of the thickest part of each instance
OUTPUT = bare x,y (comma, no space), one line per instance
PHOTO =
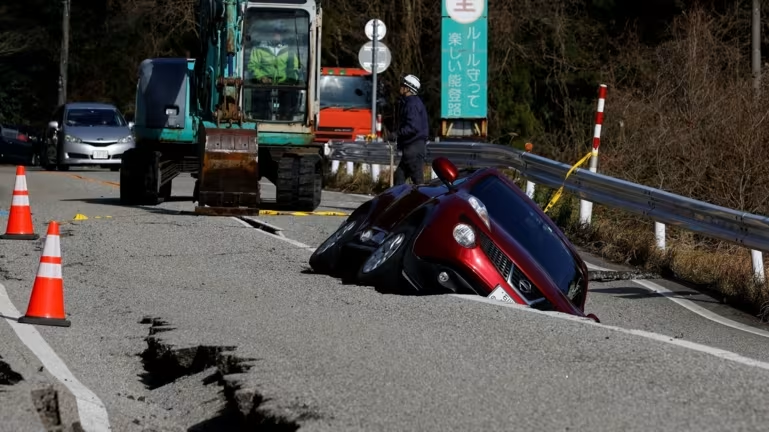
228,181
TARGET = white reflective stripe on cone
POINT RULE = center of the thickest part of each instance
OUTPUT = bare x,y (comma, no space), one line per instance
52,248
20,200
48,270
21,183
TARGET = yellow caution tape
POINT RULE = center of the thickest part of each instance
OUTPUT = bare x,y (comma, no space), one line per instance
560,190
286,213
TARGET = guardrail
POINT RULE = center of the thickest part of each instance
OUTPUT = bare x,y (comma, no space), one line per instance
734,226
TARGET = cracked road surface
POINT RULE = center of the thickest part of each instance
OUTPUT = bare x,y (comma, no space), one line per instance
187,323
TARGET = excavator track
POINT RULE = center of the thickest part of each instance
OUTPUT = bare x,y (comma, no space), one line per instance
228,181
299,183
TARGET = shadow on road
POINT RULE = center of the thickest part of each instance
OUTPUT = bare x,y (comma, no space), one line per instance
348,208
641,293
115,201
401,290
8,318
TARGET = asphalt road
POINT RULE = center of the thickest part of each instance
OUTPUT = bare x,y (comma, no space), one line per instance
306,351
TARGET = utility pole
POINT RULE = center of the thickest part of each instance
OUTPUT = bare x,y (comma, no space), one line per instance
64,55
756,45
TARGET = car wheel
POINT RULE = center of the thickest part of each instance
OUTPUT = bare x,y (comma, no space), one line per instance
384,267
34,159
51,156
325,259
114,168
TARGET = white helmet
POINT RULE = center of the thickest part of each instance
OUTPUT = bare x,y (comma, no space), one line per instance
412,83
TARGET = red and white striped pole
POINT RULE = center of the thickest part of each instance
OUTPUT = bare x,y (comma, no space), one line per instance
598,126
586,207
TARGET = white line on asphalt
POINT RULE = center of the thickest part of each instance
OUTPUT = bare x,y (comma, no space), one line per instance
690,305
279,237
728,355
93,414
656,336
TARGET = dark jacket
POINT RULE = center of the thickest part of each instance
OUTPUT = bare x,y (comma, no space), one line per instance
412,121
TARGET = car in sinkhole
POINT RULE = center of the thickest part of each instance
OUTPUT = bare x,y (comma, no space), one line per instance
470,231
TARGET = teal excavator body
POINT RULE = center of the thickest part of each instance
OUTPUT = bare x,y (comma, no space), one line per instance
245,108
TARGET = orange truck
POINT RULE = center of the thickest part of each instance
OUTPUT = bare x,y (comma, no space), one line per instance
345,104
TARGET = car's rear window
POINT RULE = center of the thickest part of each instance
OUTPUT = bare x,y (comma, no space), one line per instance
527,227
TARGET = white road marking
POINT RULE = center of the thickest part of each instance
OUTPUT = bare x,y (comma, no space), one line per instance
728,355
279,237
690,305
93,414
362,196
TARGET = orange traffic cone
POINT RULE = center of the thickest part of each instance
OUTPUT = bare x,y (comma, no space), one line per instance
20,220
46,304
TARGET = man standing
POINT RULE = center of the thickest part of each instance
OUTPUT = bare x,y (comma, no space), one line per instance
412,133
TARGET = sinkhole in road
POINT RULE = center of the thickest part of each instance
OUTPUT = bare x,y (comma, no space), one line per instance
164,363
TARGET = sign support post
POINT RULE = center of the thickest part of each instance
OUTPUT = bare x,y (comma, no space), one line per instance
374,68
375,58
375,30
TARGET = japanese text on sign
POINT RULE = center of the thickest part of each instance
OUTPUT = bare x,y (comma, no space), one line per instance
464,69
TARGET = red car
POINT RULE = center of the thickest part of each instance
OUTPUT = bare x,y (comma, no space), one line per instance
469,232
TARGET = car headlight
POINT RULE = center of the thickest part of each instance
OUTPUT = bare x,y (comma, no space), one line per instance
480,209
464,235
360,137
72,139
127,139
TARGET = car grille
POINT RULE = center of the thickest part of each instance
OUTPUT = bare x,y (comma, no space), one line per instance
100,143
512,274
503,264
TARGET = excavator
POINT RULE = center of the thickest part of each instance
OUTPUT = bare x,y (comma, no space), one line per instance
247,107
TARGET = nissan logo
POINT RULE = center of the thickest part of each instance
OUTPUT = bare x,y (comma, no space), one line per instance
524,286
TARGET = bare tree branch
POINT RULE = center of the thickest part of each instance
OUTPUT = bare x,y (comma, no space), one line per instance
12,43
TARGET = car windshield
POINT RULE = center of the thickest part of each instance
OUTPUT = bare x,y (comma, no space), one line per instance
342,91
94,117
513,214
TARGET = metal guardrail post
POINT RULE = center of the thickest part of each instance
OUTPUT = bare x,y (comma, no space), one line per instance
530,186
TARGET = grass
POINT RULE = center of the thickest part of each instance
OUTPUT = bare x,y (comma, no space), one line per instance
718,268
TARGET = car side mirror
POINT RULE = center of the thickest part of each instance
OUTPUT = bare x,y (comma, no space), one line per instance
130,125
53,125
445,170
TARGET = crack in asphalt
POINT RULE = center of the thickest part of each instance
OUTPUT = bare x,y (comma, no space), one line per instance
8,376
164,363
609,276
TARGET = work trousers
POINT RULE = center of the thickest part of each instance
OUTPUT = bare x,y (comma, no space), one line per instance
412,164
